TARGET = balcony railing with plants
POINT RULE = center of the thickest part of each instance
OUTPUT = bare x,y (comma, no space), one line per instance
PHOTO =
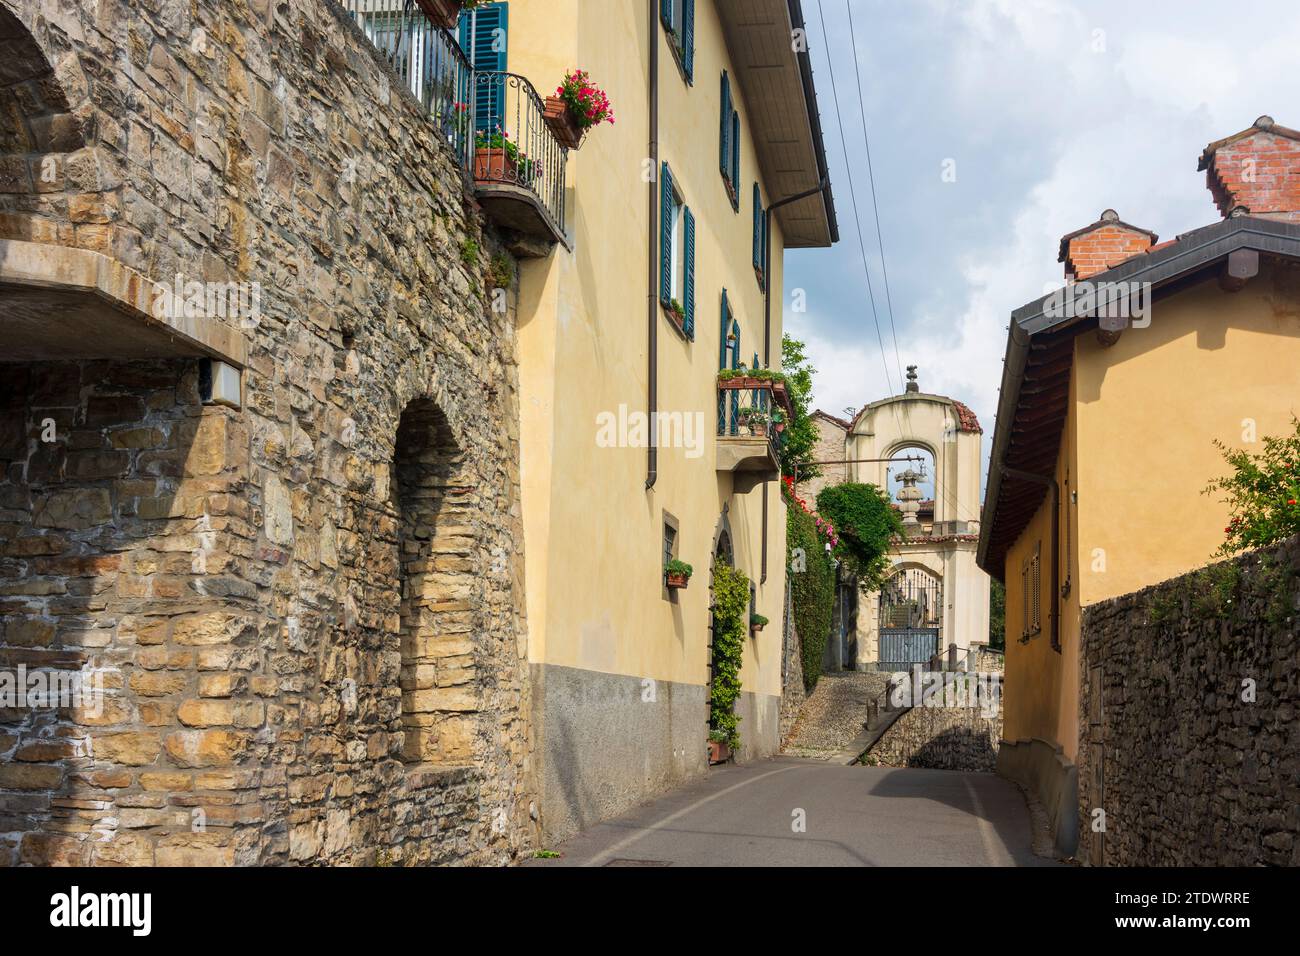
495,122
750,405
513,143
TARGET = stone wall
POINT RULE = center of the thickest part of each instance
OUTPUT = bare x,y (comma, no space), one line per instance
274,691
1188,733
950,732
829,447
940,738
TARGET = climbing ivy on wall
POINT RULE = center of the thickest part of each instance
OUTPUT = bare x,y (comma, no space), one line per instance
730,627
812,587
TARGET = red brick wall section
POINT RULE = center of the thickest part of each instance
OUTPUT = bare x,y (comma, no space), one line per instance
1104,247
1260,172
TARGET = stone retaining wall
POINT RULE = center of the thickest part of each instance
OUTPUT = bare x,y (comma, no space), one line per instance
236,575
940,738
1189,731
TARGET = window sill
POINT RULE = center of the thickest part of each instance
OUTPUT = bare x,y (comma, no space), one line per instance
678,55
677,323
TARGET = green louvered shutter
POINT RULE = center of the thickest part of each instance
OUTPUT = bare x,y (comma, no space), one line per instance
479,29
735,158
689,304
665,235
688,38
722,363
722,341
724,133
758,229
735,363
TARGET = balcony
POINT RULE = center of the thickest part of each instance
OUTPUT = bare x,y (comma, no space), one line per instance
493,121
752,413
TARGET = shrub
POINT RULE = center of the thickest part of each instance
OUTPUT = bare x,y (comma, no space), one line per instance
1263,493
865,523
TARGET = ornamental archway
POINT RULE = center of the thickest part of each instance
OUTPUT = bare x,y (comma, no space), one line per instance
910,618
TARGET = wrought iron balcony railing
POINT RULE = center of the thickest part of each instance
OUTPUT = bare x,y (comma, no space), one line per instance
492,120
750,411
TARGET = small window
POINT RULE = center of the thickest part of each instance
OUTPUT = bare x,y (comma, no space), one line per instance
760,238
729,142
677,252
678,17
670,539
1031,587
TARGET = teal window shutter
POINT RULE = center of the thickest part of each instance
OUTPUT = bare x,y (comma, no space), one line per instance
724,133
483,33
666,235
722,340
758,229
689,304
735,363
666,12
688,38
735,159
722,362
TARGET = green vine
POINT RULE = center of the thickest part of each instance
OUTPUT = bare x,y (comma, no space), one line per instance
730,628
812,586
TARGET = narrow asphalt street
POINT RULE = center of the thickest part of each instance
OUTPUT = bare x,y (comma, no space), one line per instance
852,816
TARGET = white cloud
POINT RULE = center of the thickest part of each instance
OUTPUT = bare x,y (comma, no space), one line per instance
1049,130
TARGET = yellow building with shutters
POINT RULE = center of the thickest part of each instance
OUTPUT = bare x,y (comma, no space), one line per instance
715,123
1106,432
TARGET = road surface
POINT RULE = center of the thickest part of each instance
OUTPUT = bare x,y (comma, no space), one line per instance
796,812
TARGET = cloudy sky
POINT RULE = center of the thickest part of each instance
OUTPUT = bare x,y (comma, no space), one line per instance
1048,112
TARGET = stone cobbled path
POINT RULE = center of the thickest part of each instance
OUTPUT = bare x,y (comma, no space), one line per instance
835,713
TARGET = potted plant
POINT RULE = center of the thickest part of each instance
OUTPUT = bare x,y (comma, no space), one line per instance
677,312
576,107
719,747
497,159
756,623
446,13
677,574
758,423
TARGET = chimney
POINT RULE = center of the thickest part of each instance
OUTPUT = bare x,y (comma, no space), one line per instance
1255,172
1106,243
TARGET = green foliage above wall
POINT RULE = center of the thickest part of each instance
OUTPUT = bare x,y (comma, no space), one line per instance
866,523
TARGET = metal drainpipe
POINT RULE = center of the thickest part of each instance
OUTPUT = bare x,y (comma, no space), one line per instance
1050,483
767,314
652,303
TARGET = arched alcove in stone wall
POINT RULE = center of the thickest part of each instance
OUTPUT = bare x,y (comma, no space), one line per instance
436,544
38,132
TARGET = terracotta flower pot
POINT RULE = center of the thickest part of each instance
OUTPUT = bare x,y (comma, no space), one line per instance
445,13
758,428
493,165
676,581
563,124
718,752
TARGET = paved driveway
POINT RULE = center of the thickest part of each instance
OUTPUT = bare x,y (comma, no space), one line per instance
852,816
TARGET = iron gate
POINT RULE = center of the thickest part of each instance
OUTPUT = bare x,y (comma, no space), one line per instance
911,615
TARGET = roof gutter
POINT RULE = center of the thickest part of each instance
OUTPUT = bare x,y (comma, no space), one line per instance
814,118
1013,376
